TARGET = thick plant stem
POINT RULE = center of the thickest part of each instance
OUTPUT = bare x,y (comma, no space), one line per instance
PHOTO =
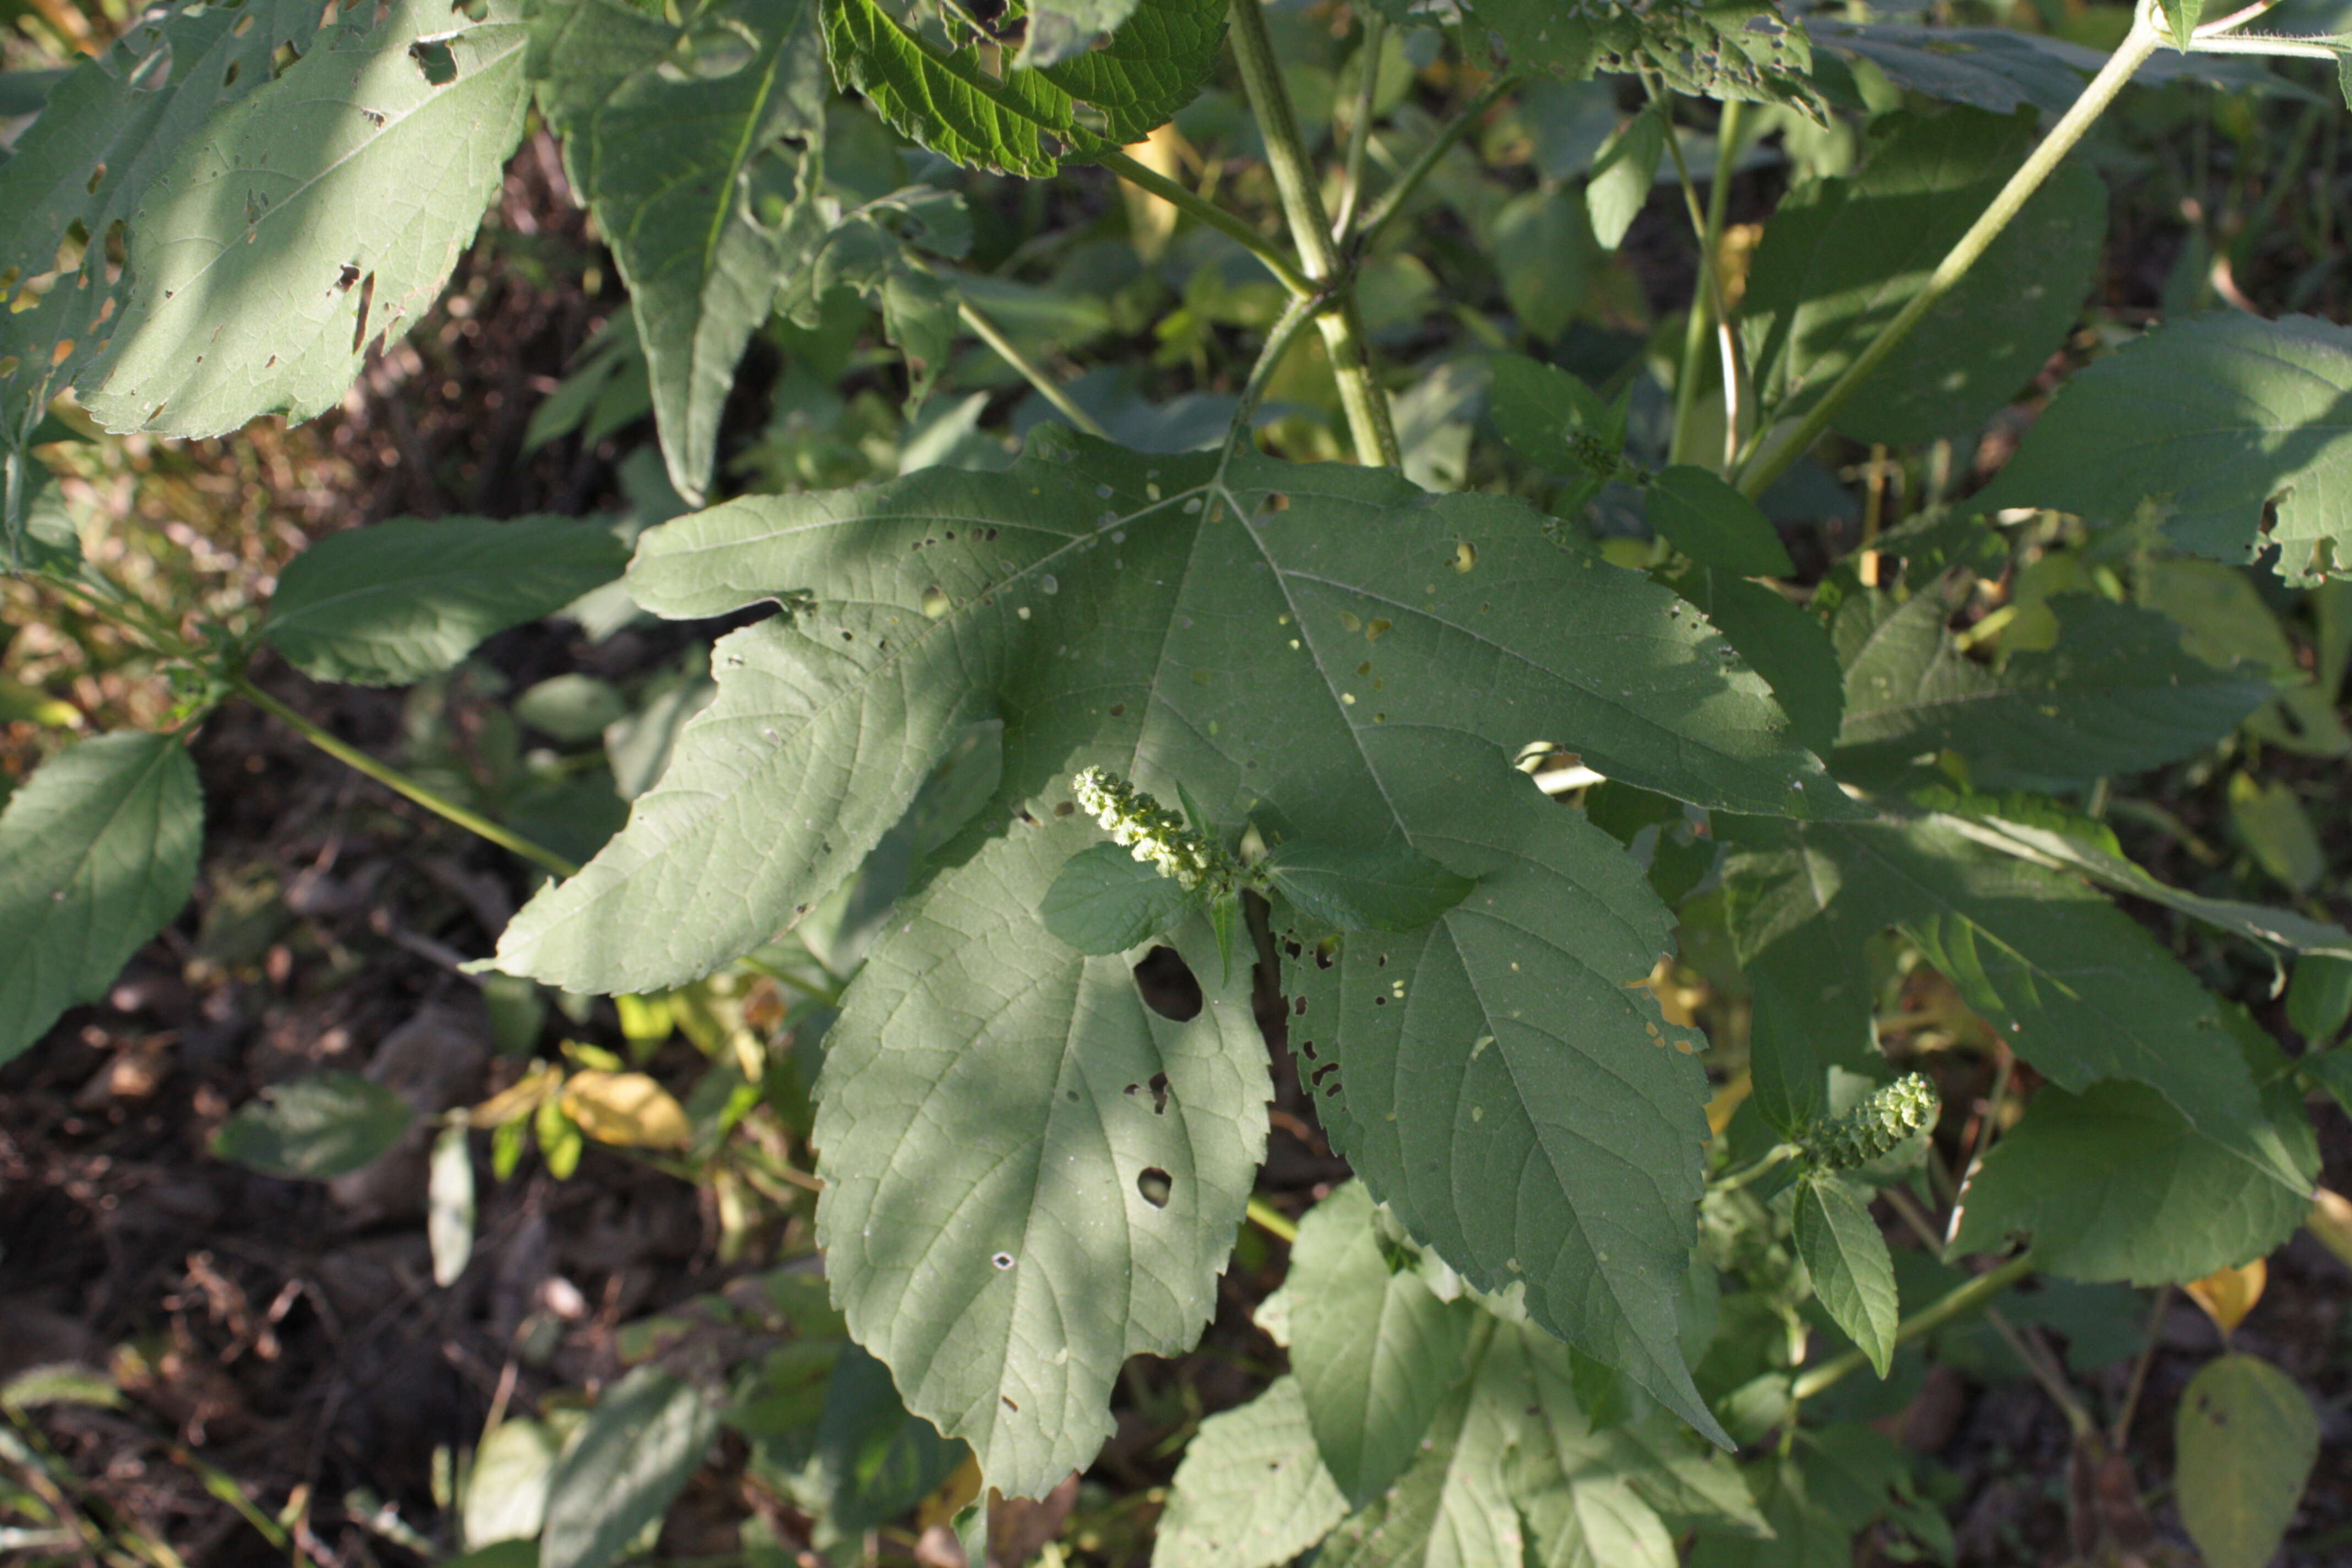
993,336
392,779
1967,1299
1383,212
2137,45
1144,177
1310,231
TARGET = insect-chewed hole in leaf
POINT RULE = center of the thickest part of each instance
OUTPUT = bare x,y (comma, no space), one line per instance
1168,985
1299,1005
1002,1260
435,59
1065,808
1153,1184
472,10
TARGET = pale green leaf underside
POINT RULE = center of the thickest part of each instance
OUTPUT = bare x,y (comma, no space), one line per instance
1327,666
1374,1349
1252,1491
704,186
2209,418
2116,1184
2077,987
1840,257
1853,1273
2118,694
990,1105
407,598
96,851
318,216
1104,900
117,119
2245,1440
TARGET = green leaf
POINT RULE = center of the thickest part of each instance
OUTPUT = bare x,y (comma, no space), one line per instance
874,1461
1028,121
1695,512
97,852
1623,171
2269,821
2182,15
1006,1224
2118,694
1992,68
1252,1491
311,1129
1817,1497
2212,418
104,136
623,1467
506,1492
313,218
1374,1349
1541,243
396,602
1841,256
1555,421
2319,999
703,178
1853,1273
1104,900
2075,986
2114,1183
2245,1440
1785,644
2280,931
1702,49
1140,613
1391,889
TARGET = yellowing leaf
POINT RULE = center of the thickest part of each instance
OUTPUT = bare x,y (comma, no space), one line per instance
2246,1438
1727,1100
519,1098
627,1109
2229,1294
2331,1223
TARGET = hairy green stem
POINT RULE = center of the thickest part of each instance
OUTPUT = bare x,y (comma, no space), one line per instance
1310,230
2137,45
1285,332
993,336
391,778
1360,127
1144,177
1958,1302
1710,309
1383,212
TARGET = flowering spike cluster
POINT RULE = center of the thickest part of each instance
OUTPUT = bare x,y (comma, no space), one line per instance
1152,832
1876,1126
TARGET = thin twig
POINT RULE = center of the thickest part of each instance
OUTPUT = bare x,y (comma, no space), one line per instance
2121,1431
1184,199
1360,127
1383,212
993,336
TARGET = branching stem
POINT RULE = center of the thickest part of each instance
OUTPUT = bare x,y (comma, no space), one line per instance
2138,44
1958,1302
1310,230
1383,212
1360,127
1183,198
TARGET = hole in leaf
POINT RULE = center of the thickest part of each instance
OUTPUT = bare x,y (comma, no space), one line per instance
367,302
1002,1260
96,175
1154,1185
1159,1087
1298,1006
936,602
435,59
1169,988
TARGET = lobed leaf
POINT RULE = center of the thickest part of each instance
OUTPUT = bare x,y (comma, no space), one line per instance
312,219
405,599
98,851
